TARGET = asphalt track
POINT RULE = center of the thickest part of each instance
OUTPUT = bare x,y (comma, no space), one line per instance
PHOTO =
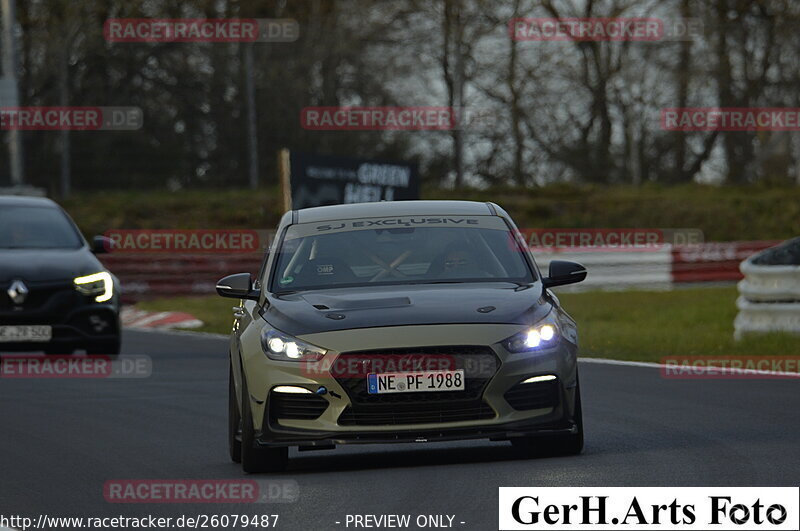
61,440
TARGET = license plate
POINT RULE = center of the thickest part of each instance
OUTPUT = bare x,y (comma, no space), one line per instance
415,382
25,334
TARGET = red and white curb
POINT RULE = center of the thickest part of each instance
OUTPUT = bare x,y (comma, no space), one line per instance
133,318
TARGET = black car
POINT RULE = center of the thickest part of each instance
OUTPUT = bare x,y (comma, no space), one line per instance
55,295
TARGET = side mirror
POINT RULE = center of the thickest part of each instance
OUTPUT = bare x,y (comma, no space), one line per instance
102,245
238,286
562,273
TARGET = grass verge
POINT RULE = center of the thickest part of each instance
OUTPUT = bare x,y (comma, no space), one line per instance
648,326
631,325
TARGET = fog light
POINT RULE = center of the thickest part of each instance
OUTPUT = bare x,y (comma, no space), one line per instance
291,389
544,378
98,323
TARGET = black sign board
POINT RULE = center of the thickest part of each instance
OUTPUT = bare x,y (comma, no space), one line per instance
318,180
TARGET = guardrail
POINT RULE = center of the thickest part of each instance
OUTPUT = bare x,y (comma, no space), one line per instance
166,275
615,269
713,262
769,295
657,268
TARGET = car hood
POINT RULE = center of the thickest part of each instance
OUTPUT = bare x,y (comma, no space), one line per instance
35,265
367,307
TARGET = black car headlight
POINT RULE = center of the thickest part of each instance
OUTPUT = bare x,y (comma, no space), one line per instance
100,285
542,336
283,347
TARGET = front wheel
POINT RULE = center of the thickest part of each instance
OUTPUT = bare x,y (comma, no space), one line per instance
255,458
556,445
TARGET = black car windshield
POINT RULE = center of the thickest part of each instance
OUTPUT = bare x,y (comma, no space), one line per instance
31,227
398,250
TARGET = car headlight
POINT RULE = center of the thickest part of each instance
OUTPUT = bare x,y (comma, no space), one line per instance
540,337
100,284
283,347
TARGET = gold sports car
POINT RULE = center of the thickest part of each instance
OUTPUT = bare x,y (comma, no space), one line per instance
407,321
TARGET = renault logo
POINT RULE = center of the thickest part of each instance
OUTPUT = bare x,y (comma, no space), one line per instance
18,292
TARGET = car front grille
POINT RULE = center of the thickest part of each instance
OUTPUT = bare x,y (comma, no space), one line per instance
296,406
45,301
478,362
415,413
536,395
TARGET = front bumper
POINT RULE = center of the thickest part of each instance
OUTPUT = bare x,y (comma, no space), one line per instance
76,319
277,436
552,421
497,418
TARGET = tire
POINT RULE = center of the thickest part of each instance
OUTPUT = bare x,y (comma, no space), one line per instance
256,459
556,445
107,348
234,422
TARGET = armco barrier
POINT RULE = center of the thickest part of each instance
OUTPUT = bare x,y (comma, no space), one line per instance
713,262
657,268
166,275
769,298
615,269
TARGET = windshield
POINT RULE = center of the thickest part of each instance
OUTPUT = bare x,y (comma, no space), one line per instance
404,250
27,227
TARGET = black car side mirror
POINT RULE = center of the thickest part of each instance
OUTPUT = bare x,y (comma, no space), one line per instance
102,245
238,286
562,273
